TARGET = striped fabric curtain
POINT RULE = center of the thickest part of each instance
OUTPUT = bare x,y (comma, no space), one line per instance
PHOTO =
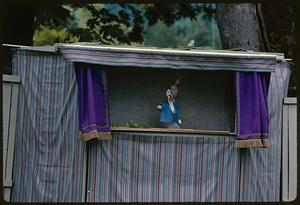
252,116
136,168
94,120
48,160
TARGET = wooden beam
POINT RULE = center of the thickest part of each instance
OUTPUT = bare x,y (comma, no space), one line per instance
11,78
170,131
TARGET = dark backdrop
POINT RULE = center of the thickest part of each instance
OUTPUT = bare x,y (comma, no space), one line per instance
205,98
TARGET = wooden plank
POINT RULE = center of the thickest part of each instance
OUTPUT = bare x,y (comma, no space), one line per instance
290,100
7,183
241,177
177,51
49,49
171,131
159,134
292,152
83,194
11,78
150,48
11,138
6,108
284,154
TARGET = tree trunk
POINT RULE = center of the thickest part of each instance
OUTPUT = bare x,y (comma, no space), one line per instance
239,26
260,27
280,24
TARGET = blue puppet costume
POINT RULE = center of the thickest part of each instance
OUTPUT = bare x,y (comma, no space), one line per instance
166,115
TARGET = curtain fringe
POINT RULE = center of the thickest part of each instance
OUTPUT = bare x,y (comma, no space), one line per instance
262,143
95,135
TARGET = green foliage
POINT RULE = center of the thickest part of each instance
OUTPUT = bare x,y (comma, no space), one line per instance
52,15
50,36
125,26
203,31
115,23
169,13
136,125
131,124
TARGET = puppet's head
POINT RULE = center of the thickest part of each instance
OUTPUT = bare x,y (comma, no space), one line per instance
169,94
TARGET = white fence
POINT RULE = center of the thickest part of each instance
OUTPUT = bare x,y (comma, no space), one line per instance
289,150
10,101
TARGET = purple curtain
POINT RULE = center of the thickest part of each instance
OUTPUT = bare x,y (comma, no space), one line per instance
94,118
252,116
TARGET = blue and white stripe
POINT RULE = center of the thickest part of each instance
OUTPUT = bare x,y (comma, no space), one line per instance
48,155
135,168
262,167
171,59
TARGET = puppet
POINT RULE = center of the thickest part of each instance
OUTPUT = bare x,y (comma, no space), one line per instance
168,110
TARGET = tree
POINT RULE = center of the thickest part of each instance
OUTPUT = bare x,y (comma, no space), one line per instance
239,26
280,28
203,32
19,21
116,23
259,27
126,23
123,27
12,26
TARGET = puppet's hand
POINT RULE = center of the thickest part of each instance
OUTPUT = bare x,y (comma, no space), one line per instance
179,121
159,107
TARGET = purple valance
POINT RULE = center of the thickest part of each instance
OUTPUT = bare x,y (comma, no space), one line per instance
94,118
252,116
